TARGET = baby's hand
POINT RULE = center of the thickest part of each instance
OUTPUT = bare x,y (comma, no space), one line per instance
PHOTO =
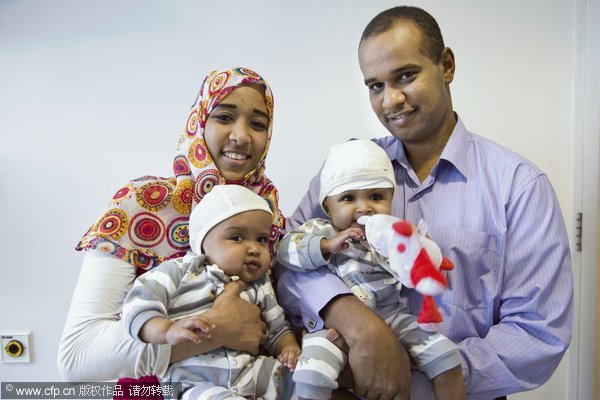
289,356
192,328
338,242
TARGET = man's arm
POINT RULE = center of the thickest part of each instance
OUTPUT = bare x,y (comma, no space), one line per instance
535,315
380,365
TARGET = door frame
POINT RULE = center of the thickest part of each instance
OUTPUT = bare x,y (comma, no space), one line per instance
586,178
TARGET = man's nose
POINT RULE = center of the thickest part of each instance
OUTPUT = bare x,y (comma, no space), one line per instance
392,97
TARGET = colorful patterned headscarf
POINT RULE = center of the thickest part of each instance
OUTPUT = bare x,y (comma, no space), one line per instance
146,221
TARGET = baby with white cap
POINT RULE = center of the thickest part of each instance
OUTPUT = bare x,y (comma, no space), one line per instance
357,181
229,239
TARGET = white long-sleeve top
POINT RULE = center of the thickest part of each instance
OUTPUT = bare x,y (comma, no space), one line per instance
94,345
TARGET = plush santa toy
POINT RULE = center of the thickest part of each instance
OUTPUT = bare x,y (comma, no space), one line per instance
414,259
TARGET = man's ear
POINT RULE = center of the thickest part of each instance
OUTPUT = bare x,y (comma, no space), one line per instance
448,65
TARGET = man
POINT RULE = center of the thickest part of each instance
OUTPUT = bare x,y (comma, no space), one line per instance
494,214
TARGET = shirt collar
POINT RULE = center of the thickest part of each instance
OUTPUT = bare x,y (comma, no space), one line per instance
456,151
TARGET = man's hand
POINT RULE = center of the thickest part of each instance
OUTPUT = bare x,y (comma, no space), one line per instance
237,323
380,365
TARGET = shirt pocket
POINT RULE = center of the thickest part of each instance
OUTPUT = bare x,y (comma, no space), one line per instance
475,280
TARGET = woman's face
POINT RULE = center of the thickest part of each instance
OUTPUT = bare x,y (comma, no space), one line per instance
236,132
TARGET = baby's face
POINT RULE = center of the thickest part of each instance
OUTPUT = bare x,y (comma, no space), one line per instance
240,245
345,208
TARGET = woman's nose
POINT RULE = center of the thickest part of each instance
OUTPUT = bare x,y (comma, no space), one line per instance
239,133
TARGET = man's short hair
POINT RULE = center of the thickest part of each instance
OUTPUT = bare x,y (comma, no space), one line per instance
433,42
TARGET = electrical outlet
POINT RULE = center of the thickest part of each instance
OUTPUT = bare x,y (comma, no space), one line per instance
16,347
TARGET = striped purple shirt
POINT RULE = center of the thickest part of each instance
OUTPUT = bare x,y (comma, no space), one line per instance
495,215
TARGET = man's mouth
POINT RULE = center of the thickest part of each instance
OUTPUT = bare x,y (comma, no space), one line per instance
399,116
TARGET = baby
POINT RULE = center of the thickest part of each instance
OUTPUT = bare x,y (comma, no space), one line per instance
357,179
229,239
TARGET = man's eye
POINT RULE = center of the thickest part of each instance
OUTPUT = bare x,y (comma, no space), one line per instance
375,87
407,76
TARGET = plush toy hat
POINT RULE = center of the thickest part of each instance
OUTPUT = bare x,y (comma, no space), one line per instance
355,165
222,202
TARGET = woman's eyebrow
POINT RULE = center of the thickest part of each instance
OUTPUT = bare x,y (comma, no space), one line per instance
233,107
262,113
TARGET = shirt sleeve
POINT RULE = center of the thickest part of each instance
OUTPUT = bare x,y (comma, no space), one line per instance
94,345
150,295
306,294
532,328
272,314
300,249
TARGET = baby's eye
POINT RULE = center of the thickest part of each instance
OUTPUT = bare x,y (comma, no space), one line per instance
236,238
347,197
376,196
263,240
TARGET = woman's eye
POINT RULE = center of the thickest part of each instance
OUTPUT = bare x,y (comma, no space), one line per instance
259,126
223,117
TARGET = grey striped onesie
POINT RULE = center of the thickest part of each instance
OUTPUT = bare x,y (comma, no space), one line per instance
186,286
361,270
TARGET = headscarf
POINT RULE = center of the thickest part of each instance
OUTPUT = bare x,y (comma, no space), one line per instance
146,221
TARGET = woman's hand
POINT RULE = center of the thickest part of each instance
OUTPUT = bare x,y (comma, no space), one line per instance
237,323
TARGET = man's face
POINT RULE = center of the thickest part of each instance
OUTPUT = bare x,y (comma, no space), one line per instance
408,91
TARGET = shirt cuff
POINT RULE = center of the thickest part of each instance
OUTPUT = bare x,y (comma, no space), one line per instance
318,292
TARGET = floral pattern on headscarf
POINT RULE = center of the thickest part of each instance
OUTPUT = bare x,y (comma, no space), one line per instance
146,221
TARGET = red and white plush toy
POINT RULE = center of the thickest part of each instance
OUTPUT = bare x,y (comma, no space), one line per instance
415,260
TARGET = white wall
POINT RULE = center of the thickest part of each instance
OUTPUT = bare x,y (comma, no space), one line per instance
95,93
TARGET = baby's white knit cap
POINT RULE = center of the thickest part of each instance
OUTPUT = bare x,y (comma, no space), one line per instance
222,202
355,165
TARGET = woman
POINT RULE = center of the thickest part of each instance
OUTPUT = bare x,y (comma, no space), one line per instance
225,141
